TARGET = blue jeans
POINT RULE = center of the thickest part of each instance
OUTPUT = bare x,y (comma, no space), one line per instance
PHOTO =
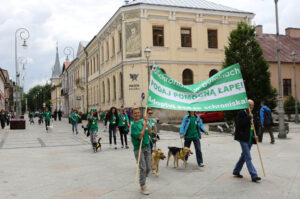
245,157
197,145
112,132
75,126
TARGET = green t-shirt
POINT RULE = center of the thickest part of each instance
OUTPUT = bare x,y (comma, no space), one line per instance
102,115
113,120
152,125
192,133
136,129
31,114
93,124
47,115
40,114
123,119
74,118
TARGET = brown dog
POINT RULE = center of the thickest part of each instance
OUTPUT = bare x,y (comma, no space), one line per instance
156,157
179,153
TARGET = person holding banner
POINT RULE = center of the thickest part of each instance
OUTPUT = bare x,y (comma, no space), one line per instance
190,130
244,133
139,132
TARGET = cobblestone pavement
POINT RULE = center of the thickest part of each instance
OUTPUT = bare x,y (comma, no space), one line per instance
60,164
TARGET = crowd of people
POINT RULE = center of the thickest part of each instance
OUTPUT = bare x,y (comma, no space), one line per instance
144,129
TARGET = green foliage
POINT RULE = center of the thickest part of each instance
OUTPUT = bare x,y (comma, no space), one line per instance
244,49
37,95
289,105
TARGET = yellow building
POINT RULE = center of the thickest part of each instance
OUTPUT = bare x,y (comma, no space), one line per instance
187,40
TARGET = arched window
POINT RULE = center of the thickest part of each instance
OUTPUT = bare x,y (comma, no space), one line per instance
187,77
108,90
103,91
114,87
121,85
163,70
213,72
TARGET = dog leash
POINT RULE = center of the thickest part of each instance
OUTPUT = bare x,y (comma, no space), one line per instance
181,142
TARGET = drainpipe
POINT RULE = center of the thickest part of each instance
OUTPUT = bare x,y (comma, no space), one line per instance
122,61
86,81
100,104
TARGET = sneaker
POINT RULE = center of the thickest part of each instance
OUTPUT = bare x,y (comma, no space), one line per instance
127,147
122,146
256,179
201,165
144,190
115,146
272,142
237,175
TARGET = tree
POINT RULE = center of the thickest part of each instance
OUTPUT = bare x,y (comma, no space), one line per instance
244,49
37,96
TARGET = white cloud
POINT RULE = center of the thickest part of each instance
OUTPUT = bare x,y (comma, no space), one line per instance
71,21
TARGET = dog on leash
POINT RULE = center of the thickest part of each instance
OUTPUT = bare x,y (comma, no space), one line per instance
86,131
156,157
97,145
179,154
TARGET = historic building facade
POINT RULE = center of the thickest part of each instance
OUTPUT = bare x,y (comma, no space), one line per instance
187,40
56,84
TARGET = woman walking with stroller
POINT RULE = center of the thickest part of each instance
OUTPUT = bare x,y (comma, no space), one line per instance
93,126
123,127
113,119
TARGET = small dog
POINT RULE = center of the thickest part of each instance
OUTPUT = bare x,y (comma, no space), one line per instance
179,153
97,145
156,157
86,131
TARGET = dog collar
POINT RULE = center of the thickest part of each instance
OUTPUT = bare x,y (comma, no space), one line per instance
181,153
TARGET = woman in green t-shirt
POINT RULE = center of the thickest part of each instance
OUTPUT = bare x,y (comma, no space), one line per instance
153,135
113,119
123,127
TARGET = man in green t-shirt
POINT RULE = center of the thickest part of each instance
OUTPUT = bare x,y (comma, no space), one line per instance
74,120
138,133
190,130
93,125
47,116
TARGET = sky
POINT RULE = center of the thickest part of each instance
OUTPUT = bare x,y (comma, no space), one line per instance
68,22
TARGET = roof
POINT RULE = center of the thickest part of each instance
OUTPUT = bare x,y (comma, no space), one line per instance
199,4
56,68
287,45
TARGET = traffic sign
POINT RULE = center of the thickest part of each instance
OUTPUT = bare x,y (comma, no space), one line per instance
143,96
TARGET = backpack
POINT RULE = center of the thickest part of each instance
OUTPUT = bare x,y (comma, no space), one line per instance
268,120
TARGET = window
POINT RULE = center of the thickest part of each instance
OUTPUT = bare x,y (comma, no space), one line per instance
213,72
113,45
97,62
121,85
187,77
120,40
108,90
102,55
103,91
115,88
158,36
287,87
107,51
186,37
212,38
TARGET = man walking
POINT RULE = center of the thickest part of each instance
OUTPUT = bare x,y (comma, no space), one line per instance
266,121
47,116
244,134
139,132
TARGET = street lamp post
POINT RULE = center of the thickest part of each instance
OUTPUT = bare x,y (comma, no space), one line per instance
294,54
147,52
282,133
24,35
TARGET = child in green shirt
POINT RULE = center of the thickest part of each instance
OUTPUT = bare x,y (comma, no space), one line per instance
47,115
74,120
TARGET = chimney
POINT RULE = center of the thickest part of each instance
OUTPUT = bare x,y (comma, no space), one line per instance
126,2
259,30
293,32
